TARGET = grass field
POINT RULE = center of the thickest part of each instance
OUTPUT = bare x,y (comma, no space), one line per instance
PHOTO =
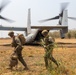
34,57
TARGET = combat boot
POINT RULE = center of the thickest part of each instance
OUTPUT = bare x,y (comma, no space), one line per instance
26,68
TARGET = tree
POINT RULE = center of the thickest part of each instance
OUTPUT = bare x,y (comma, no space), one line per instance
69,35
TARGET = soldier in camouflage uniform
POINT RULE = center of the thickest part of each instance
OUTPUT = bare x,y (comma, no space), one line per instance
48,44
16,43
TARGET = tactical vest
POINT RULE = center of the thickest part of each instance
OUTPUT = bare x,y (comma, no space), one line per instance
14,44
48,40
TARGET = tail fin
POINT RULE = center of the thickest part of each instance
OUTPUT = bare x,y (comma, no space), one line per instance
64,21
29,22
65,18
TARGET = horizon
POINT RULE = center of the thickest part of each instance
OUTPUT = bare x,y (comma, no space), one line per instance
17,10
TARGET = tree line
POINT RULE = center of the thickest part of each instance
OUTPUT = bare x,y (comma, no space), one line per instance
69,35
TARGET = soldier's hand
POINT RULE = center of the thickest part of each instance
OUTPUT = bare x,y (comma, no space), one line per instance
11,44
45,47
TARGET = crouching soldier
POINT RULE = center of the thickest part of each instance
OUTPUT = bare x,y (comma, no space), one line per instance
48,43
16,43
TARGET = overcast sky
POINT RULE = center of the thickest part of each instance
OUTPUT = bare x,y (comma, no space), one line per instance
17,10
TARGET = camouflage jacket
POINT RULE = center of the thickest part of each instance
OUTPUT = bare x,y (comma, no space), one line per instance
47,42
16,43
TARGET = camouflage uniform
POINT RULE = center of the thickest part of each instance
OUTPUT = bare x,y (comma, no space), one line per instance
17,48
48,44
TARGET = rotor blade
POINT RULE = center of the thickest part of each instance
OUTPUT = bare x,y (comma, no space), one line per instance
11,21
56,17
64,6
3,4
73,18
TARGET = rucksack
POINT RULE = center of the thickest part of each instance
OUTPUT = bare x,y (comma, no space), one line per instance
22,38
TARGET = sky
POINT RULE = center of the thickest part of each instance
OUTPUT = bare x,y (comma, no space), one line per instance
17,10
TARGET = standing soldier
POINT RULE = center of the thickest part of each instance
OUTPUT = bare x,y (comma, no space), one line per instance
16,43
48,43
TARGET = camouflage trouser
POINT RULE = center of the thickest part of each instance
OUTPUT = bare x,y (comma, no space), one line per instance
18,51
48,56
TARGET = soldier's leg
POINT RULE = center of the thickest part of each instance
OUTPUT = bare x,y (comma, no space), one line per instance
22,60
46,60
52,59
19,54
10,66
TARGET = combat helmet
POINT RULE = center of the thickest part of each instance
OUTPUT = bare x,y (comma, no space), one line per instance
11,33
44,32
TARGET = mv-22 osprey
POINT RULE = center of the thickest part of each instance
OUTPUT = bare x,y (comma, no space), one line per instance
34,32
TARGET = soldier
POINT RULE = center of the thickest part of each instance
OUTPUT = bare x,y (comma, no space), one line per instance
48,43
16,43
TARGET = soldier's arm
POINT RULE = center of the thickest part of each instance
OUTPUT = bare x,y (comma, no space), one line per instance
43,43
19,47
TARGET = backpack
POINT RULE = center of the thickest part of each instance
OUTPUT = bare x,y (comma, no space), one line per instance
22,38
